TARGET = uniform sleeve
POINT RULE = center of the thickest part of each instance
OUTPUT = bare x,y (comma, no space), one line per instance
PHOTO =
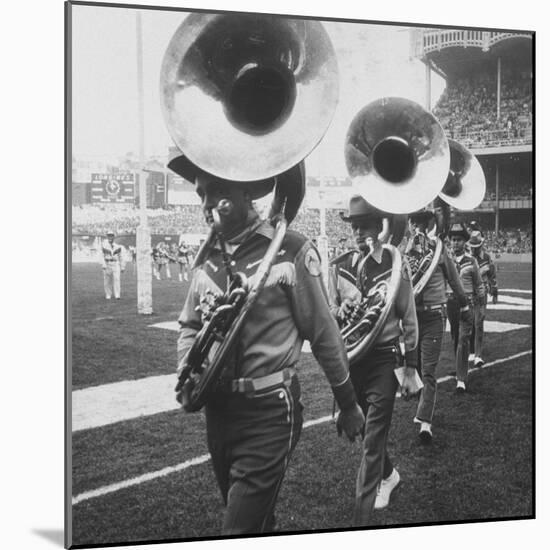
340,289
453,278
477,281
190,322
332,288
492,276
405,310
102,257
316,323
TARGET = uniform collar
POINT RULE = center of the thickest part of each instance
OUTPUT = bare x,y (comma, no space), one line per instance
257,226
376,255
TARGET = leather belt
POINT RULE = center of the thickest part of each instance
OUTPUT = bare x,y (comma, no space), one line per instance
253,385
387,346
435,307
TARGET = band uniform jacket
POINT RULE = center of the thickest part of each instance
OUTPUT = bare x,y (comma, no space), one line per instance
291,308
470,277
183,254
435,291
112,254
487,271
401,320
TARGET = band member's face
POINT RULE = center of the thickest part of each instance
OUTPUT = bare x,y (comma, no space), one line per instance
234,200
457,244
475,250
111,239
365,231
417,226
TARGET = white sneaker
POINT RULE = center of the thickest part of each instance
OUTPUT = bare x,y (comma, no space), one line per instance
478,362
186,277
471,357
180,278
460,386
385,490
425,434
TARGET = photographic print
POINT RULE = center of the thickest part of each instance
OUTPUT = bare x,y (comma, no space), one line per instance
300,293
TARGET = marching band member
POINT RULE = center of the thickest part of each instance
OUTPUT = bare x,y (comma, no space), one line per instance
431,315
155,258
112,264
461,327
487,271
164,259
373,378
254,420
183,261
172,251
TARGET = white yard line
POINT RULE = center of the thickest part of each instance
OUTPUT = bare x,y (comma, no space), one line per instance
509,307
109,403
516,290
105,490
503,298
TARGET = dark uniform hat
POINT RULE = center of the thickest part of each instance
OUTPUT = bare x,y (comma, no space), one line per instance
359,207
421,216
186,169
459,230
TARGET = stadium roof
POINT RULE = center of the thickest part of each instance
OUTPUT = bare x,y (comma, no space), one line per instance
453,52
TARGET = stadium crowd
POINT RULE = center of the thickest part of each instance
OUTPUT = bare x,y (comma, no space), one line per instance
467,110
518,241
189,219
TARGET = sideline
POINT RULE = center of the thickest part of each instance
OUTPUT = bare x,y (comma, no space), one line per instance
105,490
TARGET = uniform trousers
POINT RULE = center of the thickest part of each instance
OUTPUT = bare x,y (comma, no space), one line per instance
251,439
476,341
375,385
461,332
111,280
431,326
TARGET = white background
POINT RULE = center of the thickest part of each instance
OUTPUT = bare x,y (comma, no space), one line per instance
32,302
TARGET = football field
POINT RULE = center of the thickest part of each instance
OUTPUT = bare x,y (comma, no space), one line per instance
141,469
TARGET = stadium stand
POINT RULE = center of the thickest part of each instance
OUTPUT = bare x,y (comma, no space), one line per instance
467,109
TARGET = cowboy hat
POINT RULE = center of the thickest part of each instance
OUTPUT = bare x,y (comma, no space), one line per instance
359,207
476,240
459,230
183,167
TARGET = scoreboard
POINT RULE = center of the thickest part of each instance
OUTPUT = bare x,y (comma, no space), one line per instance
113,188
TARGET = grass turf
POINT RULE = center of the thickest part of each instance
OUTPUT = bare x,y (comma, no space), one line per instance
478,467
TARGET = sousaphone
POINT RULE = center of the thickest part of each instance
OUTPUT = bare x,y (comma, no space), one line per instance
245,97
397,155
464,189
